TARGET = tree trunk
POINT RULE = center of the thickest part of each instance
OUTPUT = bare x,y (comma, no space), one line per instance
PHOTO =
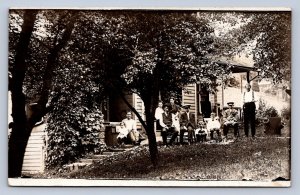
149,102
151,135
20,129
150,99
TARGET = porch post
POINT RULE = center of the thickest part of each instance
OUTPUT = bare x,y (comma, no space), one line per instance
196,103
241,83
222,93
248,77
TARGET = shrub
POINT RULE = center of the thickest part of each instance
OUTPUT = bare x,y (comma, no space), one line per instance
72,134
265,111
271,112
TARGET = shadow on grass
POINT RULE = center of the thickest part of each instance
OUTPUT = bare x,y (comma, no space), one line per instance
260,159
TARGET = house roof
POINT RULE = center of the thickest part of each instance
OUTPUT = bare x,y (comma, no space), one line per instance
237,67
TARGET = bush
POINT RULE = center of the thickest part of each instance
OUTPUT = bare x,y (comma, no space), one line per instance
73,134
265,111
271,112
74,120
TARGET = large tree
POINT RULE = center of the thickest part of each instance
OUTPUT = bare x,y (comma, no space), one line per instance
23,122
157,51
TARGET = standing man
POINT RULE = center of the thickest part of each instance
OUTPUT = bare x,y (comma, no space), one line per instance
187,124
249,108
173,107
158,115
167,127
230,120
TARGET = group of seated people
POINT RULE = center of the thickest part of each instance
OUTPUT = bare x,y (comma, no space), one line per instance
175,122
171,120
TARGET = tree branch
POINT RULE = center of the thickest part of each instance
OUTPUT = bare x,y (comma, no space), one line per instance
51,65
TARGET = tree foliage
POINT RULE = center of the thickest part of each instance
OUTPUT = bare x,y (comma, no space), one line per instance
170,49
265,38
272,53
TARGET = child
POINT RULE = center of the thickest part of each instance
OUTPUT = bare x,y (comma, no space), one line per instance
201,132
176,121
123,134
213,125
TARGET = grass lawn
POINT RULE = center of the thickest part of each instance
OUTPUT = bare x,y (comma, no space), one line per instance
262,159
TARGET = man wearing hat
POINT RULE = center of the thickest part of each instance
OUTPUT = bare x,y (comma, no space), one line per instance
187,124
167,127
230,120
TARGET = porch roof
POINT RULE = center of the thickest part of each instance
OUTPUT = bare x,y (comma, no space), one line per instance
237,67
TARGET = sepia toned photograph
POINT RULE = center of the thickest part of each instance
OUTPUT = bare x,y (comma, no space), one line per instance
149,97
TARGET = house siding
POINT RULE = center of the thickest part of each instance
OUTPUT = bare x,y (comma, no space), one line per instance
189,97
34,158
138,104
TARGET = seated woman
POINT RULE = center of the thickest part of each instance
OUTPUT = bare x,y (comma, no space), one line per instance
213,125
176,121
201,131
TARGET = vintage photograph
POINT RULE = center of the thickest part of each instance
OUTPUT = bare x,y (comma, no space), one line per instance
149,97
